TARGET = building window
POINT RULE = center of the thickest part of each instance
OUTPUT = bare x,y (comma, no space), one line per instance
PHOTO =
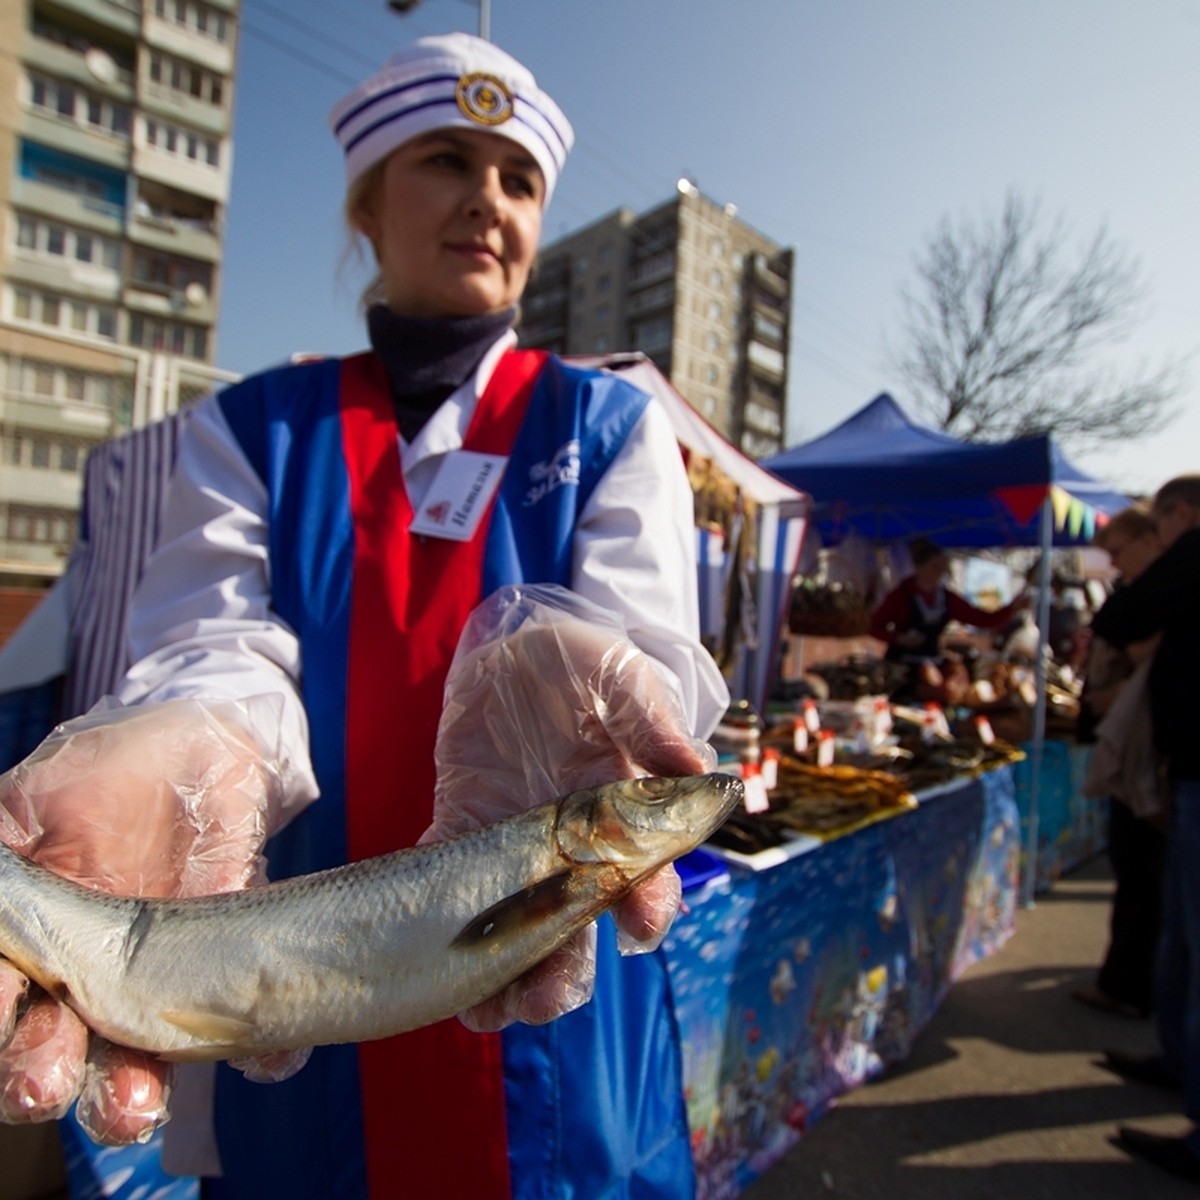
164,205
712,341
715,311
716,279
55,98
173,337
53,240
763,418
656,264
45,526
182,143
653,334
194,16
56,312
716,247
187,78
653,297
768,328
100,189
165,273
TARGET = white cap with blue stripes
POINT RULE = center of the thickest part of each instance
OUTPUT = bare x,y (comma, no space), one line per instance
452,81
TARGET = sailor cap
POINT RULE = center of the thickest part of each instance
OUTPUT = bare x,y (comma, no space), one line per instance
452,81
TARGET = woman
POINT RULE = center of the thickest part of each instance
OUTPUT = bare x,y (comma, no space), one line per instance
912,617
331,527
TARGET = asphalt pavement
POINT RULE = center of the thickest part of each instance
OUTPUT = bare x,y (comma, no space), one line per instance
1002,1097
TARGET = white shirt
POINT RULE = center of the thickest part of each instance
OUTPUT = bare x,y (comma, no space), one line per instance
202,624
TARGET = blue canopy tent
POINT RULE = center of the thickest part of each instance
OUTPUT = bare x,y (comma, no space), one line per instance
881,475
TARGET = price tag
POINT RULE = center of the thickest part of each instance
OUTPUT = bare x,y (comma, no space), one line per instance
770,768
825,748
934,725
986,734
812,718
799,736
756,799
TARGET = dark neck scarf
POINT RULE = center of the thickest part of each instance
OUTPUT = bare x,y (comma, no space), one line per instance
427,358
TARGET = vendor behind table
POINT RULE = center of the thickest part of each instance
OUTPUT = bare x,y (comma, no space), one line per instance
912,617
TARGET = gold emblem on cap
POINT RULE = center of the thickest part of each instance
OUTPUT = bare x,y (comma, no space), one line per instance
484,98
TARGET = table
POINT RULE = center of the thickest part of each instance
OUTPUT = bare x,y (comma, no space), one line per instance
1072,827
789,985
795,983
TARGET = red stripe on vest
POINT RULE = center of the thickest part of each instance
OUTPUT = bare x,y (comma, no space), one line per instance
433,1099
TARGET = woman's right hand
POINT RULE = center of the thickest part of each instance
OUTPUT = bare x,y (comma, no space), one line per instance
172,799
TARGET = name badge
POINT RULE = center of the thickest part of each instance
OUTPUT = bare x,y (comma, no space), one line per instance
459,495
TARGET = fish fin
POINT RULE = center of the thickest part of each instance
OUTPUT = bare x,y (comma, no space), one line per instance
210,1027
530,904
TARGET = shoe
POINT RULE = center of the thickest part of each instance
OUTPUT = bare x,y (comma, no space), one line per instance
1148,1068
1094,997
1170,1153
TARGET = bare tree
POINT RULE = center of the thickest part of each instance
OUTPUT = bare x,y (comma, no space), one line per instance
1009,334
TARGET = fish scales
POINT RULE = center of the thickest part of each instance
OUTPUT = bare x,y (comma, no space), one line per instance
358,952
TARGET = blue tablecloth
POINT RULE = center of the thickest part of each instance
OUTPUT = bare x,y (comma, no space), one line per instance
1071,827
789,985
793,984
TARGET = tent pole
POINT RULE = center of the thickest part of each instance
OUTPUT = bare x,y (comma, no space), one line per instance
1039,712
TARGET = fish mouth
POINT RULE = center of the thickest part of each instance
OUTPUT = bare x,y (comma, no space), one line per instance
644,822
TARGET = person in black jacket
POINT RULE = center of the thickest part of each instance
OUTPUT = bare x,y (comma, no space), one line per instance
1136,835
1165,599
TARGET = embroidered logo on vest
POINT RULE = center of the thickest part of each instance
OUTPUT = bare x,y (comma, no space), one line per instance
560,469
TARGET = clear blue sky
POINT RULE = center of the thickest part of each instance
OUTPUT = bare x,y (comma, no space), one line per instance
846,129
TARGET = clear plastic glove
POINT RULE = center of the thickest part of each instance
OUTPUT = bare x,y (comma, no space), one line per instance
173,799
548,694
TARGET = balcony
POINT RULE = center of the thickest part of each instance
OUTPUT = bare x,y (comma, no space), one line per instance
166,302
183,174
187,43
64,276
78,141
173,105
63,62
71,208
766,359
122,15
32,486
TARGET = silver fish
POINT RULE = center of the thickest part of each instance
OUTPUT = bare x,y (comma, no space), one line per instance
358,952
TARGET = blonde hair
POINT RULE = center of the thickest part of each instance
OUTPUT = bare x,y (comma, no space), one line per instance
1132,522
359,197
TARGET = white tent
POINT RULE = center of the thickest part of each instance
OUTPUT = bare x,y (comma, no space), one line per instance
782,517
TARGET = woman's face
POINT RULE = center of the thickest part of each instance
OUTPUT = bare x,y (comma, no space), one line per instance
1132,555
455,221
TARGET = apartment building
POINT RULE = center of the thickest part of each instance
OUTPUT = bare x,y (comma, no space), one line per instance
115,163
695,288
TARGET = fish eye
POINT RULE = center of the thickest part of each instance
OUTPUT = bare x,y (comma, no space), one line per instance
656,787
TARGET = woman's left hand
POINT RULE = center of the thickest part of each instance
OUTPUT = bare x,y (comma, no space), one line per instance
558,703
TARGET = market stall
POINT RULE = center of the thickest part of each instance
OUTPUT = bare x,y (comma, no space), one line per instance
750,526
886,478
799,976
